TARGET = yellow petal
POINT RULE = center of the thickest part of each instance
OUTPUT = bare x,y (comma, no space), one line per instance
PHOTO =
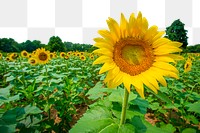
150,82
150,33
104,45
127,81
166,50
156,74
137,83
164,59
114,28
116,81
103,51
106,34
112,73
102,59
175,56
159,35
145,24
166,72
123,26
106,67
165,66
159,42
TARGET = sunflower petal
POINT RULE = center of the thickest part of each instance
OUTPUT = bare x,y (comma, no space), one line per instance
165,66
175,56
164,59
137,83
102,59
160,42
103,51
166,50
127,81
112,73
106,67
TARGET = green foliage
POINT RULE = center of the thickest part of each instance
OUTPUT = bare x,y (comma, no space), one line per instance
176,32
9,45
56,44
193,49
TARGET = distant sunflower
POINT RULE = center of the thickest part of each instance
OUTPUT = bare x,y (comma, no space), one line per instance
91,57
69,53
82,57
78,54
66,57
42,56
188,65
81,53
13,56
7,59
32,61
62,54
24,53
134,54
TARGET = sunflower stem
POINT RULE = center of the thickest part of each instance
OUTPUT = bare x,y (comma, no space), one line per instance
124,107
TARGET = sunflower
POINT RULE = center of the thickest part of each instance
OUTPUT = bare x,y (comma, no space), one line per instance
78,54
32,61
42,56
24,53
82,57
81,53
52,55
188,65
66,57
91,57
7,59
13,56
69,53
62,54
134,54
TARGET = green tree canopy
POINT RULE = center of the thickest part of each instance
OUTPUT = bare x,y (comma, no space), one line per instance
8,45
176,32
56,44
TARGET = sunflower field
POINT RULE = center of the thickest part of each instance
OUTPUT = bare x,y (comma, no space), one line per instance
51,97
145,85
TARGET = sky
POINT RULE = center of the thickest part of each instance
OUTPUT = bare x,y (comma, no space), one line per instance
78,21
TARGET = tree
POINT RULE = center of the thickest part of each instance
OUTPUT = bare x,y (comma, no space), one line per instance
56,44
176,32
8,45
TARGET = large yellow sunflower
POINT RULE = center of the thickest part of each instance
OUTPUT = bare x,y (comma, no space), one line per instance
134,54
42,56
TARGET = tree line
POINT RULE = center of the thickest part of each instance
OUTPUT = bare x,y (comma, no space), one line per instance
55,44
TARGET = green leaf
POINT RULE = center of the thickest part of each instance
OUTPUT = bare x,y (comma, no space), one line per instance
112,128
32,110
94,120
118,96
189,130
194,107
98,91
168,128
10,78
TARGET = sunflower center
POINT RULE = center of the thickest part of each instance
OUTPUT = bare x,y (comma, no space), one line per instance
32,61
43,56
133,56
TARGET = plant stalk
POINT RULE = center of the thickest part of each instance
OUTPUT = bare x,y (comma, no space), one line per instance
124,107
